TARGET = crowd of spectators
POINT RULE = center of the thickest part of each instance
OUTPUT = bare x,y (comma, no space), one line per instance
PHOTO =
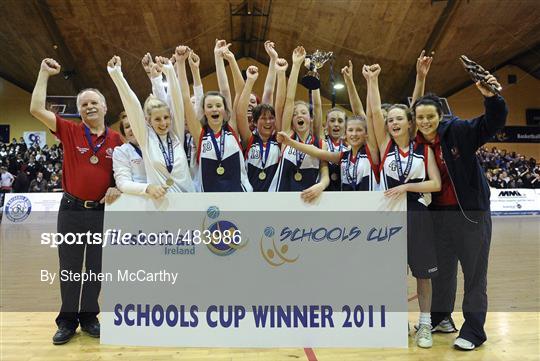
30,169
34,169
509,169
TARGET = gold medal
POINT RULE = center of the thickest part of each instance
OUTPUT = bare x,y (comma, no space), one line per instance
334,177
169,182
262,175
220,170
94,159
297,176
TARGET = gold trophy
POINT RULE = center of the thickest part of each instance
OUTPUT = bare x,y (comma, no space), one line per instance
315,61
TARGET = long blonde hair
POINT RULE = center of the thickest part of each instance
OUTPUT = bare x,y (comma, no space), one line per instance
152,103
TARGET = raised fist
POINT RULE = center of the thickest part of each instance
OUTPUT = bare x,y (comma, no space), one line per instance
115,62
252,72
182,53
281,65
299,55
194,60
50,66
147,63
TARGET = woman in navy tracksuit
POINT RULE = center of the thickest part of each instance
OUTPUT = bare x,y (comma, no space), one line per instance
461,210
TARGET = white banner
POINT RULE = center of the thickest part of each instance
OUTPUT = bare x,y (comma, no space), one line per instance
290,275
515,202
35,137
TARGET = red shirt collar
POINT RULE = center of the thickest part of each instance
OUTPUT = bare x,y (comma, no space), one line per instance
420,139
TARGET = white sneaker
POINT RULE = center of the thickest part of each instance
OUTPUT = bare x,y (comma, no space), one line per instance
462,344
423,336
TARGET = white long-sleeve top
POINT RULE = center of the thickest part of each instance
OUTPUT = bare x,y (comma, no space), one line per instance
156,169
159,91
129,172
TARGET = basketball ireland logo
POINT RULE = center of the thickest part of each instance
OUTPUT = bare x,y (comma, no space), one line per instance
18,209
225,235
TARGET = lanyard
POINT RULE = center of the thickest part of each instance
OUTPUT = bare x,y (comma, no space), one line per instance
403,175
137,149
187,146
169,155
95,148
299,155
221,149
352,179
266,151
332,147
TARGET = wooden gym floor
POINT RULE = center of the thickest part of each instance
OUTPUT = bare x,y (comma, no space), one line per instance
513,324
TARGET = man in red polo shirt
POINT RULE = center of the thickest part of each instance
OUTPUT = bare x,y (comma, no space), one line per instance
87,178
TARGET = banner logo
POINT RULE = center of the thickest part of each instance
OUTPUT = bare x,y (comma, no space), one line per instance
273,256
226,237
509,194
18,208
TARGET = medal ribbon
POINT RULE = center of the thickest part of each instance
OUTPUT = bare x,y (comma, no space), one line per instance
137,149
403,175
299,155
219,151
187,146
169,155
331,145
266,153
95,148
352,179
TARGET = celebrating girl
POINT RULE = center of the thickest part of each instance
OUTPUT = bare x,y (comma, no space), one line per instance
408,167
221,162
299,171
159,135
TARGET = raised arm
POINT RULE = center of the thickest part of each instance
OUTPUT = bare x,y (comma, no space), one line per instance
194,126
309,149
49,67
354,99
484,127
371,135
129,100
238,82
270,82
223,82
317,114
281,67
176,100
198,91
298,57
243,125
381,135
422,68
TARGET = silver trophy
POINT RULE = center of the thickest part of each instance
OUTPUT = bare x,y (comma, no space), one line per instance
315,61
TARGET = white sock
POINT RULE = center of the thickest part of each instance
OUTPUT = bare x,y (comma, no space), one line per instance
425,318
